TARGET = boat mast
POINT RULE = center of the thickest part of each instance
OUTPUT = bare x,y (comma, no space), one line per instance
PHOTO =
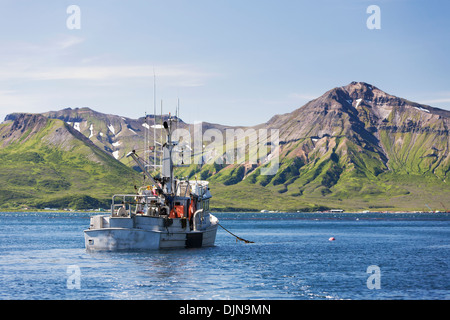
161,157
154,120
167,163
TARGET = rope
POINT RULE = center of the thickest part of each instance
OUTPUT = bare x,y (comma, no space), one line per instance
237,238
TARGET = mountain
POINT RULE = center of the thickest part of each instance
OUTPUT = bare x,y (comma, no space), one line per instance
47,163
114,134
117,135
367,130
355,147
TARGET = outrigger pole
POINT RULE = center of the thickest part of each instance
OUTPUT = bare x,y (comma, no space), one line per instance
142,166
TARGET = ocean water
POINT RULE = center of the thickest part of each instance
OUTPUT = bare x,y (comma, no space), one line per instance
42,256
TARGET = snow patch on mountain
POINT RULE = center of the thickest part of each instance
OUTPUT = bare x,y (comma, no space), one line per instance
111,128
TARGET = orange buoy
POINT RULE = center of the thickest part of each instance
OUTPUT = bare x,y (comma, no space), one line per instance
331,239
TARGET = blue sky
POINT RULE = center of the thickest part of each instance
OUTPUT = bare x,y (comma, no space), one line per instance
229,61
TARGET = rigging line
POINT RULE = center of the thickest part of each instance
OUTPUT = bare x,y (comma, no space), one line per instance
238,238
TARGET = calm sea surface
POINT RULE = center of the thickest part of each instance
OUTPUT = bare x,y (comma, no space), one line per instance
42,256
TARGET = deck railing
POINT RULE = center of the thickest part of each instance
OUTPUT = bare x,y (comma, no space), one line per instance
131,203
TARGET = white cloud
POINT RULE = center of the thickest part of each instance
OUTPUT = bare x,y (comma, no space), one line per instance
12,99
37,77
432,101
302,96
440,99
53,61
180,75
69,41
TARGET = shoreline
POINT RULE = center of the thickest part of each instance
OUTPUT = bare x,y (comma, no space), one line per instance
237,211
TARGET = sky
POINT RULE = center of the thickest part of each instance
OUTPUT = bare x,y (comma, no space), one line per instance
233,62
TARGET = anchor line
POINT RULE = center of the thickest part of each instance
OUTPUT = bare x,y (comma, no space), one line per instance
237,238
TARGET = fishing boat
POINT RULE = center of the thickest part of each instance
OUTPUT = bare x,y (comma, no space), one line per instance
166,213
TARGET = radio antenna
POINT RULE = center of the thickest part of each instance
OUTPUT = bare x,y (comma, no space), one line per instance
154,119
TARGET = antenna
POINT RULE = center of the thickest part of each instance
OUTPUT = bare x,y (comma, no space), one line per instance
177,113
161,159
146,140
154,119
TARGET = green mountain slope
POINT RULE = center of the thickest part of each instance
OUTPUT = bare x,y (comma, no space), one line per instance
46,163
356,147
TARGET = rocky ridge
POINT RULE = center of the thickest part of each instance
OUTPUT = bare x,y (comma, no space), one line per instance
353,142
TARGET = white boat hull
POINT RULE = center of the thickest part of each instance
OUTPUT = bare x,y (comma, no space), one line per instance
147,233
